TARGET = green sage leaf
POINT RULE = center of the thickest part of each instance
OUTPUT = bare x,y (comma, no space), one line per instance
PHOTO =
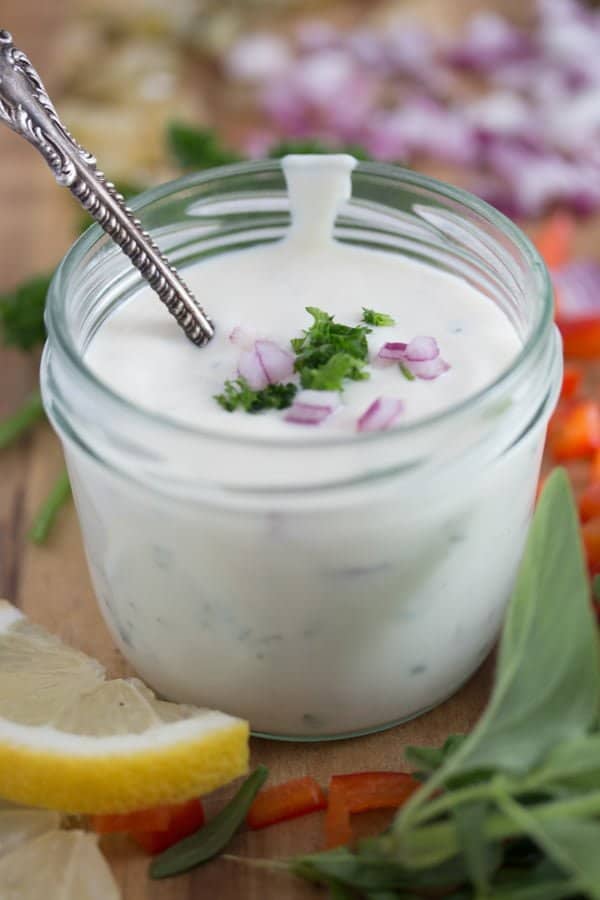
212,838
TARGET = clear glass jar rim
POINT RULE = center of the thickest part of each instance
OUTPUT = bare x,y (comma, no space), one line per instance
59,336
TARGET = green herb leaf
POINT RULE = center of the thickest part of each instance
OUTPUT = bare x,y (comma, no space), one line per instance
431,758
323,341
330,376
22,420
239,395
197,148
572,844
284,148
46,517
482,858
547,686
22,313
406,372
211,839
376,318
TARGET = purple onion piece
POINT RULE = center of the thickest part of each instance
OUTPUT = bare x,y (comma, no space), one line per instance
381,414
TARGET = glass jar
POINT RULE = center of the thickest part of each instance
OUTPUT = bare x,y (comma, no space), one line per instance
365,579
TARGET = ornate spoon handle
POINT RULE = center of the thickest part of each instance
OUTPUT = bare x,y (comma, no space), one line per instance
27,109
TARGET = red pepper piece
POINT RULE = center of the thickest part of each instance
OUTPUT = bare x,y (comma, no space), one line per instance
581,337
590,532
289,800
361,792
595,468
156,819
554,240
572,378
185,819
589,502
574,433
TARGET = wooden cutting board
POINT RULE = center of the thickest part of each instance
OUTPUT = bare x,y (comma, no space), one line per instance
51,583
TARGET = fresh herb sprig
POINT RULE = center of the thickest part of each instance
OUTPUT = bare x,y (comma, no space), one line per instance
328,352
371,317
16,425
511,811
60,492
237,394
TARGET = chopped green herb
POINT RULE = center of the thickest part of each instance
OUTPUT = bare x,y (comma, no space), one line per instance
238,394
22,313
323,341
197,148
330,376
212,838
14,426
56,499
406,372
376,318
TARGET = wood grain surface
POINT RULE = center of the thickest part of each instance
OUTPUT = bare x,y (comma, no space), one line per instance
51,583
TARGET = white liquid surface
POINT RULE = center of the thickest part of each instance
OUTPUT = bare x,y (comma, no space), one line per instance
314,613
142,354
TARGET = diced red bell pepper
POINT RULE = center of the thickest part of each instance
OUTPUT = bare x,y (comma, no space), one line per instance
554,240
156,819
590,532
289,800
361,792
595,467
589,502
572,378
581,337
186,818
574,433
154,829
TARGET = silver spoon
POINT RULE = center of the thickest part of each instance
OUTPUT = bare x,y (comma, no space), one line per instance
27,109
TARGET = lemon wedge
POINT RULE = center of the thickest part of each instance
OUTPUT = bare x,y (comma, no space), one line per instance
74,741
63,865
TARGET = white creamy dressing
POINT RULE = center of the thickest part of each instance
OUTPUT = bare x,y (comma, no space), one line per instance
141,353
319,612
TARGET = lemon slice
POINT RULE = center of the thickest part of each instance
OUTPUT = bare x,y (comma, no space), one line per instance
74,741
61,865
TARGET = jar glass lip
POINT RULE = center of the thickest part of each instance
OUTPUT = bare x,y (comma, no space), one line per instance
59,334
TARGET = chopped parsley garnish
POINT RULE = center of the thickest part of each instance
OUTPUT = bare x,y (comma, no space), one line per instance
406,372
330,376
322,343
376,318
238,394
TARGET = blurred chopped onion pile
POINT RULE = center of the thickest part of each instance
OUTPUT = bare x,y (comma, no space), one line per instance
516,108
520,107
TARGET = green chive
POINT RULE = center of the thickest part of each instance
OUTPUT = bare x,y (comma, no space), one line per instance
12,428
45,518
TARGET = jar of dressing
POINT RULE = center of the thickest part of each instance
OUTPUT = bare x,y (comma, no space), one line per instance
319,581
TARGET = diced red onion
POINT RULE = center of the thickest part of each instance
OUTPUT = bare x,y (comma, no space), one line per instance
381,414
578,287
316,34
258,58
392,350
428,369
421,349
312,407
266,363
277,363
251,368
489,41
243,337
